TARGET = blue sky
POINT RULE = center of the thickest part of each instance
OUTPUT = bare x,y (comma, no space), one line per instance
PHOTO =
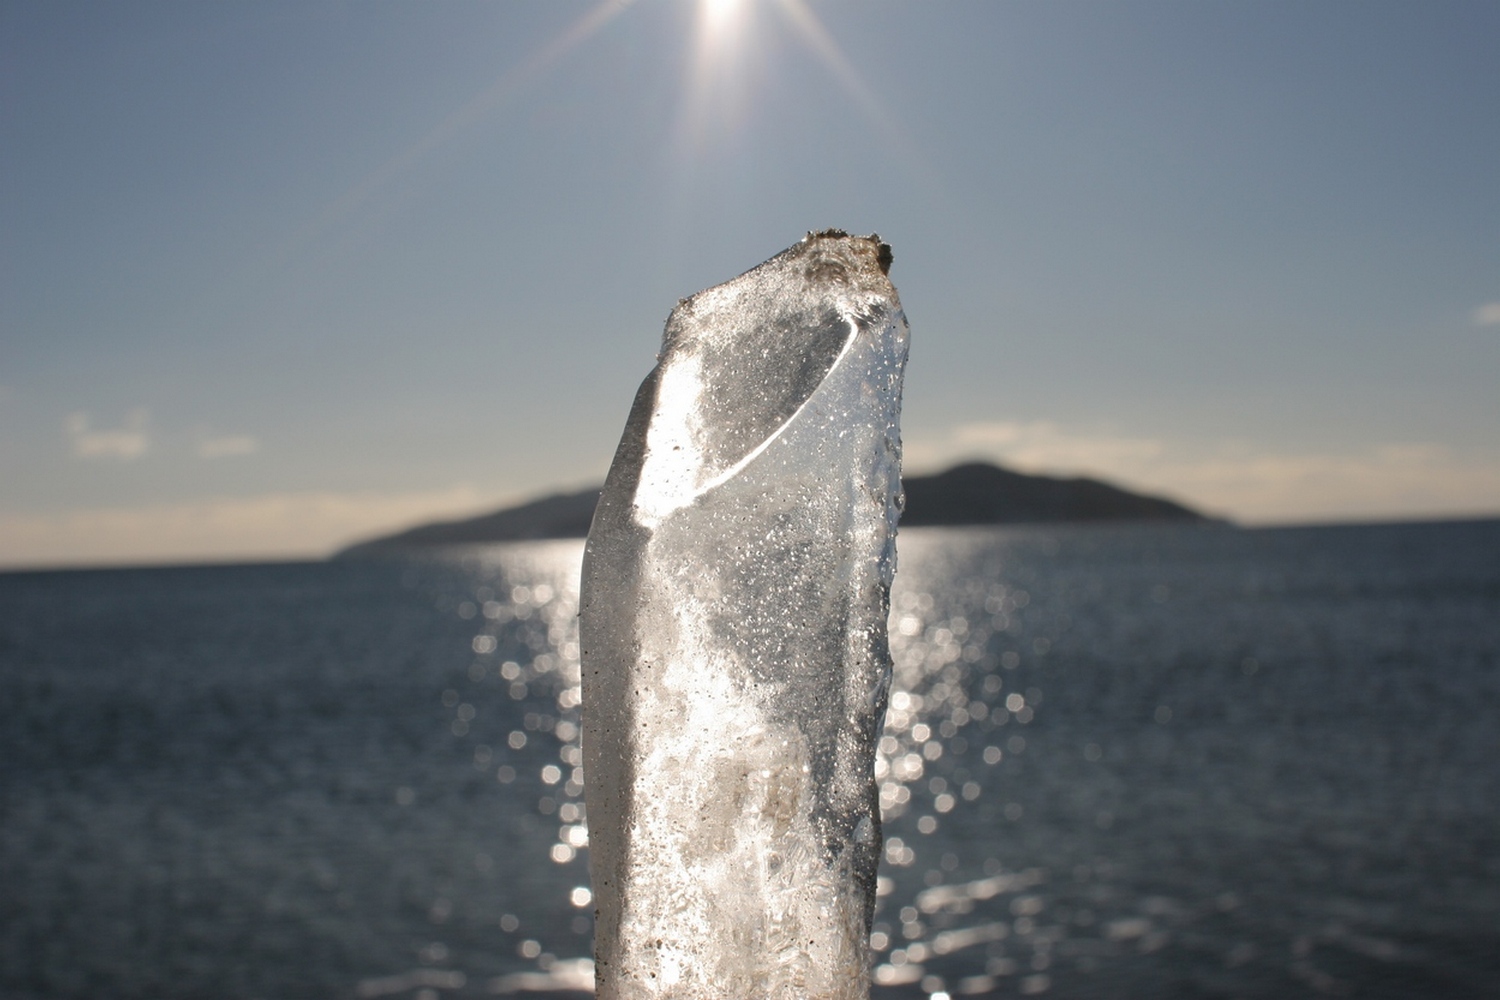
277,276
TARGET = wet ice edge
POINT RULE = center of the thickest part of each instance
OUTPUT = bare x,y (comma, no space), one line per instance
733,627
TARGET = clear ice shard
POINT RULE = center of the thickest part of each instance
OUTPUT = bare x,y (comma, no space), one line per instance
733,623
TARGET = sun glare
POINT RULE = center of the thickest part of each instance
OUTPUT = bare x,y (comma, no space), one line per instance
718,91
735,60
721,25
719,72
718,15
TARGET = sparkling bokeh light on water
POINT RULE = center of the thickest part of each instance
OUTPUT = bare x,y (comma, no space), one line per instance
1118,762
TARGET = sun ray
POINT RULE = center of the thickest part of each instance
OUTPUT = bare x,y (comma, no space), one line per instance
817,38
463,117
721,36
811,32
708,148
712,102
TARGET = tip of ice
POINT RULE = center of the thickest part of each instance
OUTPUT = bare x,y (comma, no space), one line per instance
883,254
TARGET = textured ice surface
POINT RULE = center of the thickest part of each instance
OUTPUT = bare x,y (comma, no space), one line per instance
733,624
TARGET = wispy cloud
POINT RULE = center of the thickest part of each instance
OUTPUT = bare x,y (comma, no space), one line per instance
1487,314
1042,444
123,444
1245,481
228,446
270,526
1391,480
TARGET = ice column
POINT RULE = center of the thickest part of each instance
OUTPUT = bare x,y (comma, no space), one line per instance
733,624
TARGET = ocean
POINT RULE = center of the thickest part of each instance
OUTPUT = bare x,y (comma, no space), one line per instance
1124,762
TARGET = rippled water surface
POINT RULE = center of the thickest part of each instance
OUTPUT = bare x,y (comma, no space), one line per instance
1119,762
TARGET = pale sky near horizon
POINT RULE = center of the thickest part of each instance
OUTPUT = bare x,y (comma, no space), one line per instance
278,276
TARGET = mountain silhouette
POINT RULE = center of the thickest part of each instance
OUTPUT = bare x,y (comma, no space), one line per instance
975,493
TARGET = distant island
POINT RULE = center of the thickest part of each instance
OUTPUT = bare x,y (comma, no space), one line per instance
975,493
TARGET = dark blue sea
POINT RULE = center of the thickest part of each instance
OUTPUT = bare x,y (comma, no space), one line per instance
1122,762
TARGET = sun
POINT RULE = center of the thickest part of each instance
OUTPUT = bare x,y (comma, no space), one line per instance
717,91
720,14
721,22
731,57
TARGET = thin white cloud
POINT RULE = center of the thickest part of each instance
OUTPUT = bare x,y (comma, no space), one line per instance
1042,445
271,526
123,444
1385,481
1487,314
1249,483
228,446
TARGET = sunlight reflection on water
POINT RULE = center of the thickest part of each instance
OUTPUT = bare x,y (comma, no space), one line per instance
1251,764
1014,849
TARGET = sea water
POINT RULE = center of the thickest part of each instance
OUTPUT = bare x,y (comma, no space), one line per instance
1118,762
